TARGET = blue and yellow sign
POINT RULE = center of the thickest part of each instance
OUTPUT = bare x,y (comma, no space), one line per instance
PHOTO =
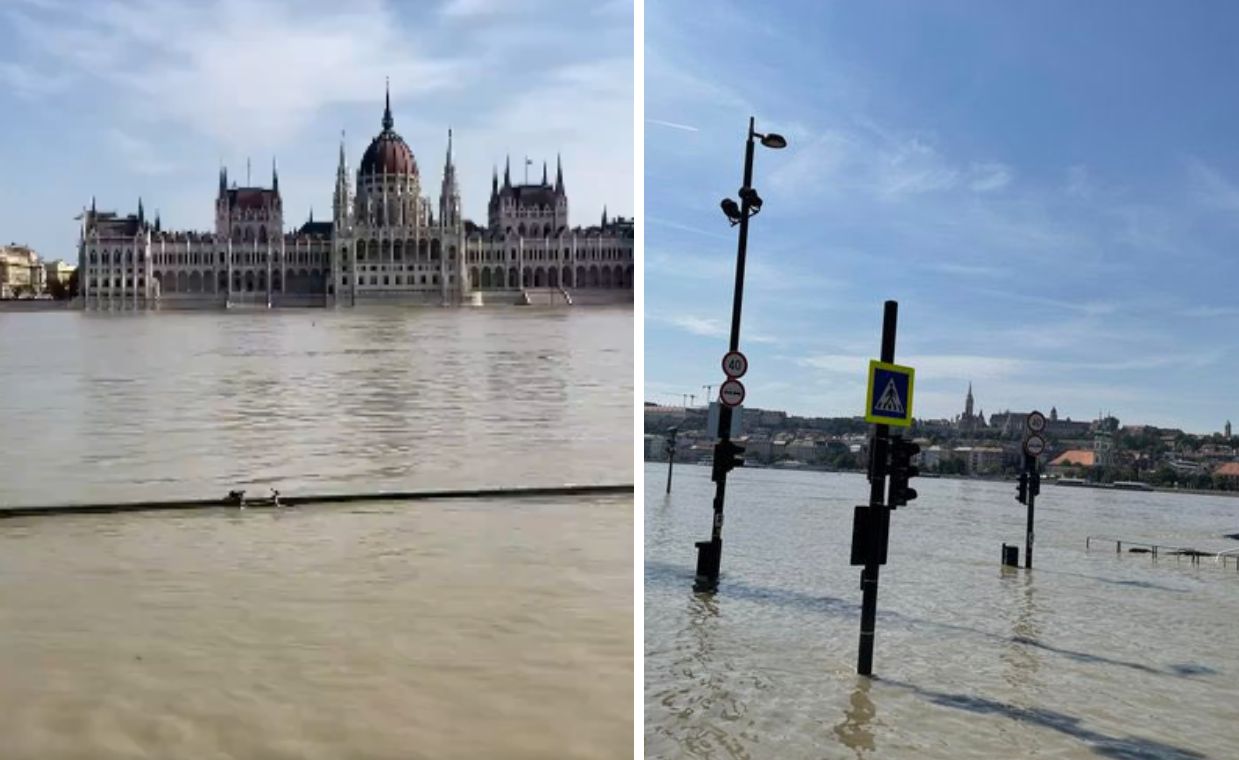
889,400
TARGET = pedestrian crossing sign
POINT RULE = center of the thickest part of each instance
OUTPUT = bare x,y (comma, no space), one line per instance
889,399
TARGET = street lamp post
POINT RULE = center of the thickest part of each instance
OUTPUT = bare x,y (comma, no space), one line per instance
709,553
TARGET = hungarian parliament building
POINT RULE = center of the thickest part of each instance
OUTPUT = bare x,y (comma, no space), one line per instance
384,242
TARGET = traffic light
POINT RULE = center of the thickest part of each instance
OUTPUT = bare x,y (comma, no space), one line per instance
1021,491
901,471
727,457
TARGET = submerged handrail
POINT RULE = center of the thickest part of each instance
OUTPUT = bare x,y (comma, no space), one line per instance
1155,549
236,499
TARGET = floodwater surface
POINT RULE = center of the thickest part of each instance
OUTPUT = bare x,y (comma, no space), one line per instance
1091,654
122,406
380,629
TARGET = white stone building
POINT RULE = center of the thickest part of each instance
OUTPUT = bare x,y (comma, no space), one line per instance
384,241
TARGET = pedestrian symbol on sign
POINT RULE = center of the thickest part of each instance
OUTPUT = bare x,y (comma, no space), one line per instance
889,402
889,399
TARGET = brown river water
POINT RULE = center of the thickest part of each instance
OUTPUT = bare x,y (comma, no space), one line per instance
481,628
1092,654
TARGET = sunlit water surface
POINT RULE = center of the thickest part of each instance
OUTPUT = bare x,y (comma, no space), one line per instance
1092,654
497,628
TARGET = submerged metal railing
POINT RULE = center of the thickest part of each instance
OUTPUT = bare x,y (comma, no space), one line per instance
238,500
1154,550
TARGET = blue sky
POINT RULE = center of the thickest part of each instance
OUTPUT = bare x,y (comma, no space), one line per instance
1050,190
128,98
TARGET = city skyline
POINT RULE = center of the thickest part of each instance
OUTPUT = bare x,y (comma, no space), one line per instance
220,91
1053,205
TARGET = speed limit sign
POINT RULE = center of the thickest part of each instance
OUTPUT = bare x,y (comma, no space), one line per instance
735,364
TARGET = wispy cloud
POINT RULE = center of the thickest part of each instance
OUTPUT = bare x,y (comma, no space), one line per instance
139,155
1210,312
673,125
29,83
217,68
989,176
1213,187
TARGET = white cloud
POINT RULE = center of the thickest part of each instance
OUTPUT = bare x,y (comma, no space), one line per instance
673,125
1214,188
139,155
987,177
29,83
244,73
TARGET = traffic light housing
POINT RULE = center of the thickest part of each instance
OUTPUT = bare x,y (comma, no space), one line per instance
901,471
727,457
1021,490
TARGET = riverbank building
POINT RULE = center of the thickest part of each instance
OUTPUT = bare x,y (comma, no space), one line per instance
386,241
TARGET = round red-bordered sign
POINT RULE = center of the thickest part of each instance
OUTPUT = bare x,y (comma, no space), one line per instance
1035,422
735,364
731,393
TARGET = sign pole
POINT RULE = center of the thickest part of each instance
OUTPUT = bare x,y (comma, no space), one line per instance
1034,444
710,553
1034,482
671,456
877,488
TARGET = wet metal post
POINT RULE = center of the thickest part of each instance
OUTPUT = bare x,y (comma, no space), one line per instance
1034,485
671,455
881,514
709,553
1030,478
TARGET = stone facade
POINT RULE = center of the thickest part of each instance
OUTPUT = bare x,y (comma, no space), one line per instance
21,272
385,241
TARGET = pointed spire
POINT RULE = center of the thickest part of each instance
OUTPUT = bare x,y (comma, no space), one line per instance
92,204
449,146
275,177
507,172
388,122
604,216
341,149
494,180
141,214
311,215
157,224
559,175
544,173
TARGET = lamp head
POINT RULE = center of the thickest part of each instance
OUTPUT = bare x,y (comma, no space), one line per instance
731,209
773,140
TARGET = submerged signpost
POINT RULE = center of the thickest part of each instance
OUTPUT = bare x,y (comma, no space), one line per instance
1030,478
888,403
671,454
731,394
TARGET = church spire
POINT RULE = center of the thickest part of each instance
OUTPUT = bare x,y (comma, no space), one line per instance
275,177
544,182
494,180
559,175
507,172
141,213
388,122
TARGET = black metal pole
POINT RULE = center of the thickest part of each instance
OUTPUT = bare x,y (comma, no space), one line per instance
877,494
1030,466
671,457
710,555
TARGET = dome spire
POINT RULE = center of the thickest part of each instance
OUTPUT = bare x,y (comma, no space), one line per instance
388,122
